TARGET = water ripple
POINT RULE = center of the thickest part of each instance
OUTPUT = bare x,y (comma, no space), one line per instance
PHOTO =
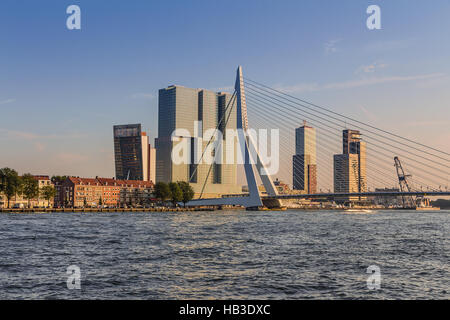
226,255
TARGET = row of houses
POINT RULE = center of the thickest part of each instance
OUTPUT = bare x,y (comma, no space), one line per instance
36,202
88,192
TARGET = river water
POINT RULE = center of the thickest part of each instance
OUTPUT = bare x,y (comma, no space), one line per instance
226,254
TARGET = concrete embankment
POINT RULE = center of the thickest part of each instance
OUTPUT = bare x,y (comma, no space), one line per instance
84,210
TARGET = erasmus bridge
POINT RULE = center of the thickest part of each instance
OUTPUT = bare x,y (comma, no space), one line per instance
395,166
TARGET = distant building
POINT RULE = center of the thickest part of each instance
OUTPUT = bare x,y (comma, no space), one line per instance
181,108
58,200
148,159
350,166
387,201
346,173
134,157
43,181
305,161
282,187
39,201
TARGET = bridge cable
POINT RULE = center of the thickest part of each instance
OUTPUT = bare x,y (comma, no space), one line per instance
348,118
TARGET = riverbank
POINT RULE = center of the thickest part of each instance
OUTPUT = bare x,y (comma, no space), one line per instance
50,210
182,209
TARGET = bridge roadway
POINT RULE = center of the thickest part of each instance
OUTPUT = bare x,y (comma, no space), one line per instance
358,194
241,199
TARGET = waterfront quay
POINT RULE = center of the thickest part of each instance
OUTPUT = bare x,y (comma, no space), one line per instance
83,210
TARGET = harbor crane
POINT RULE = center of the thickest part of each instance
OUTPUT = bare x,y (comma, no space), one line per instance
408,201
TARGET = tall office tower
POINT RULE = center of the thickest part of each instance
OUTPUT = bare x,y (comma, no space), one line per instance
304,161
353,144
148,159
134,157
195,111
350,167
346,173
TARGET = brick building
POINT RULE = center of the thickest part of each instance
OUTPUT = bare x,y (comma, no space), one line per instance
89,192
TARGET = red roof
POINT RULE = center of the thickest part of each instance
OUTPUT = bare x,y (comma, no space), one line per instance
112,182
84,181
39,177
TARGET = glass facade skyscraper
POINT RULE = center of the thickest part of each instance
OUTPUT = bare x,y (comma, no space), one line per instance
181,108
304,161
350,166
134,157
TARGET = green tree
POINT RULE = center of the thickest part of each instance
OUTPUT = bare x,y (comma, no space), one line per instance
48,193
188,191
100,201
58,179
30,187
176,192
162,191
10,183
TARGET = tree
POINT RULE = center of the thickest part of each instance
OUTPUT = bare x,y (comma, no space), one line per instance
188,192
30,187
162,191
100,201
10,183
176,192
48,192
58,179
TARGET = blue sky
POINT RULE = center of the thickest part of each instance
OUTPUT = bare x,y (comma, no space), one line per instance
61,90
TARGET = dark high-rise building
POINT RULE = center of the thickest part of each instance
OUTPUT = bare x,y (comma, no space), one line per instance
304,169
134,156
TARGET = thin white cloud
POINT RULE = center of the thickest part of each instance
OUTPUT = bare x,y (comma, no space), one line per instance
7,101
369,115
379,80
301,87
371,68
223,89
330,46
426,123
68,157
39,146
17,134
305,87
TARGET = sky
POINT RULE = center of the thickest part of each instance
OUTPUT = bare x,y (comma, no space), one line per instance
61,90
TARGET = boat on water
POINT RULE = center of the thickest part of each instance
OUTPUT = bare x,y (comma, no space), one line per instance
265,209
428,208
425,205
358,210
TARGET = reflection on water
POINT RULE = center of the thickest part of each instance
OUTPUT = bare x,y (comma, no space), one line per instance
226,254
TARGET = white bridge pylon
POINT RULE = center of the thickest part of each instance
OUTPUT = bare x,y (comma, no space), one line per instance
246,143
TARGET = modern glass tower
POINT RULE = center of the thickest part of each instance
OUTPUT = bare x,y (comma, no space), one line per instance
304,161
195,111
350,166
134,157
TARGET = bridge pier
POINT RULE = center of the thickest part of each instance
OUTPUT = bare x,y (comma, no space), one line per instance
272,203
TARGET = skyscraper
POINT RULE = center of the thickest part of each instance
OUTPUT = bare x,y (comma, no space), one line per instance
181,108
134,157
304,161
350,166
